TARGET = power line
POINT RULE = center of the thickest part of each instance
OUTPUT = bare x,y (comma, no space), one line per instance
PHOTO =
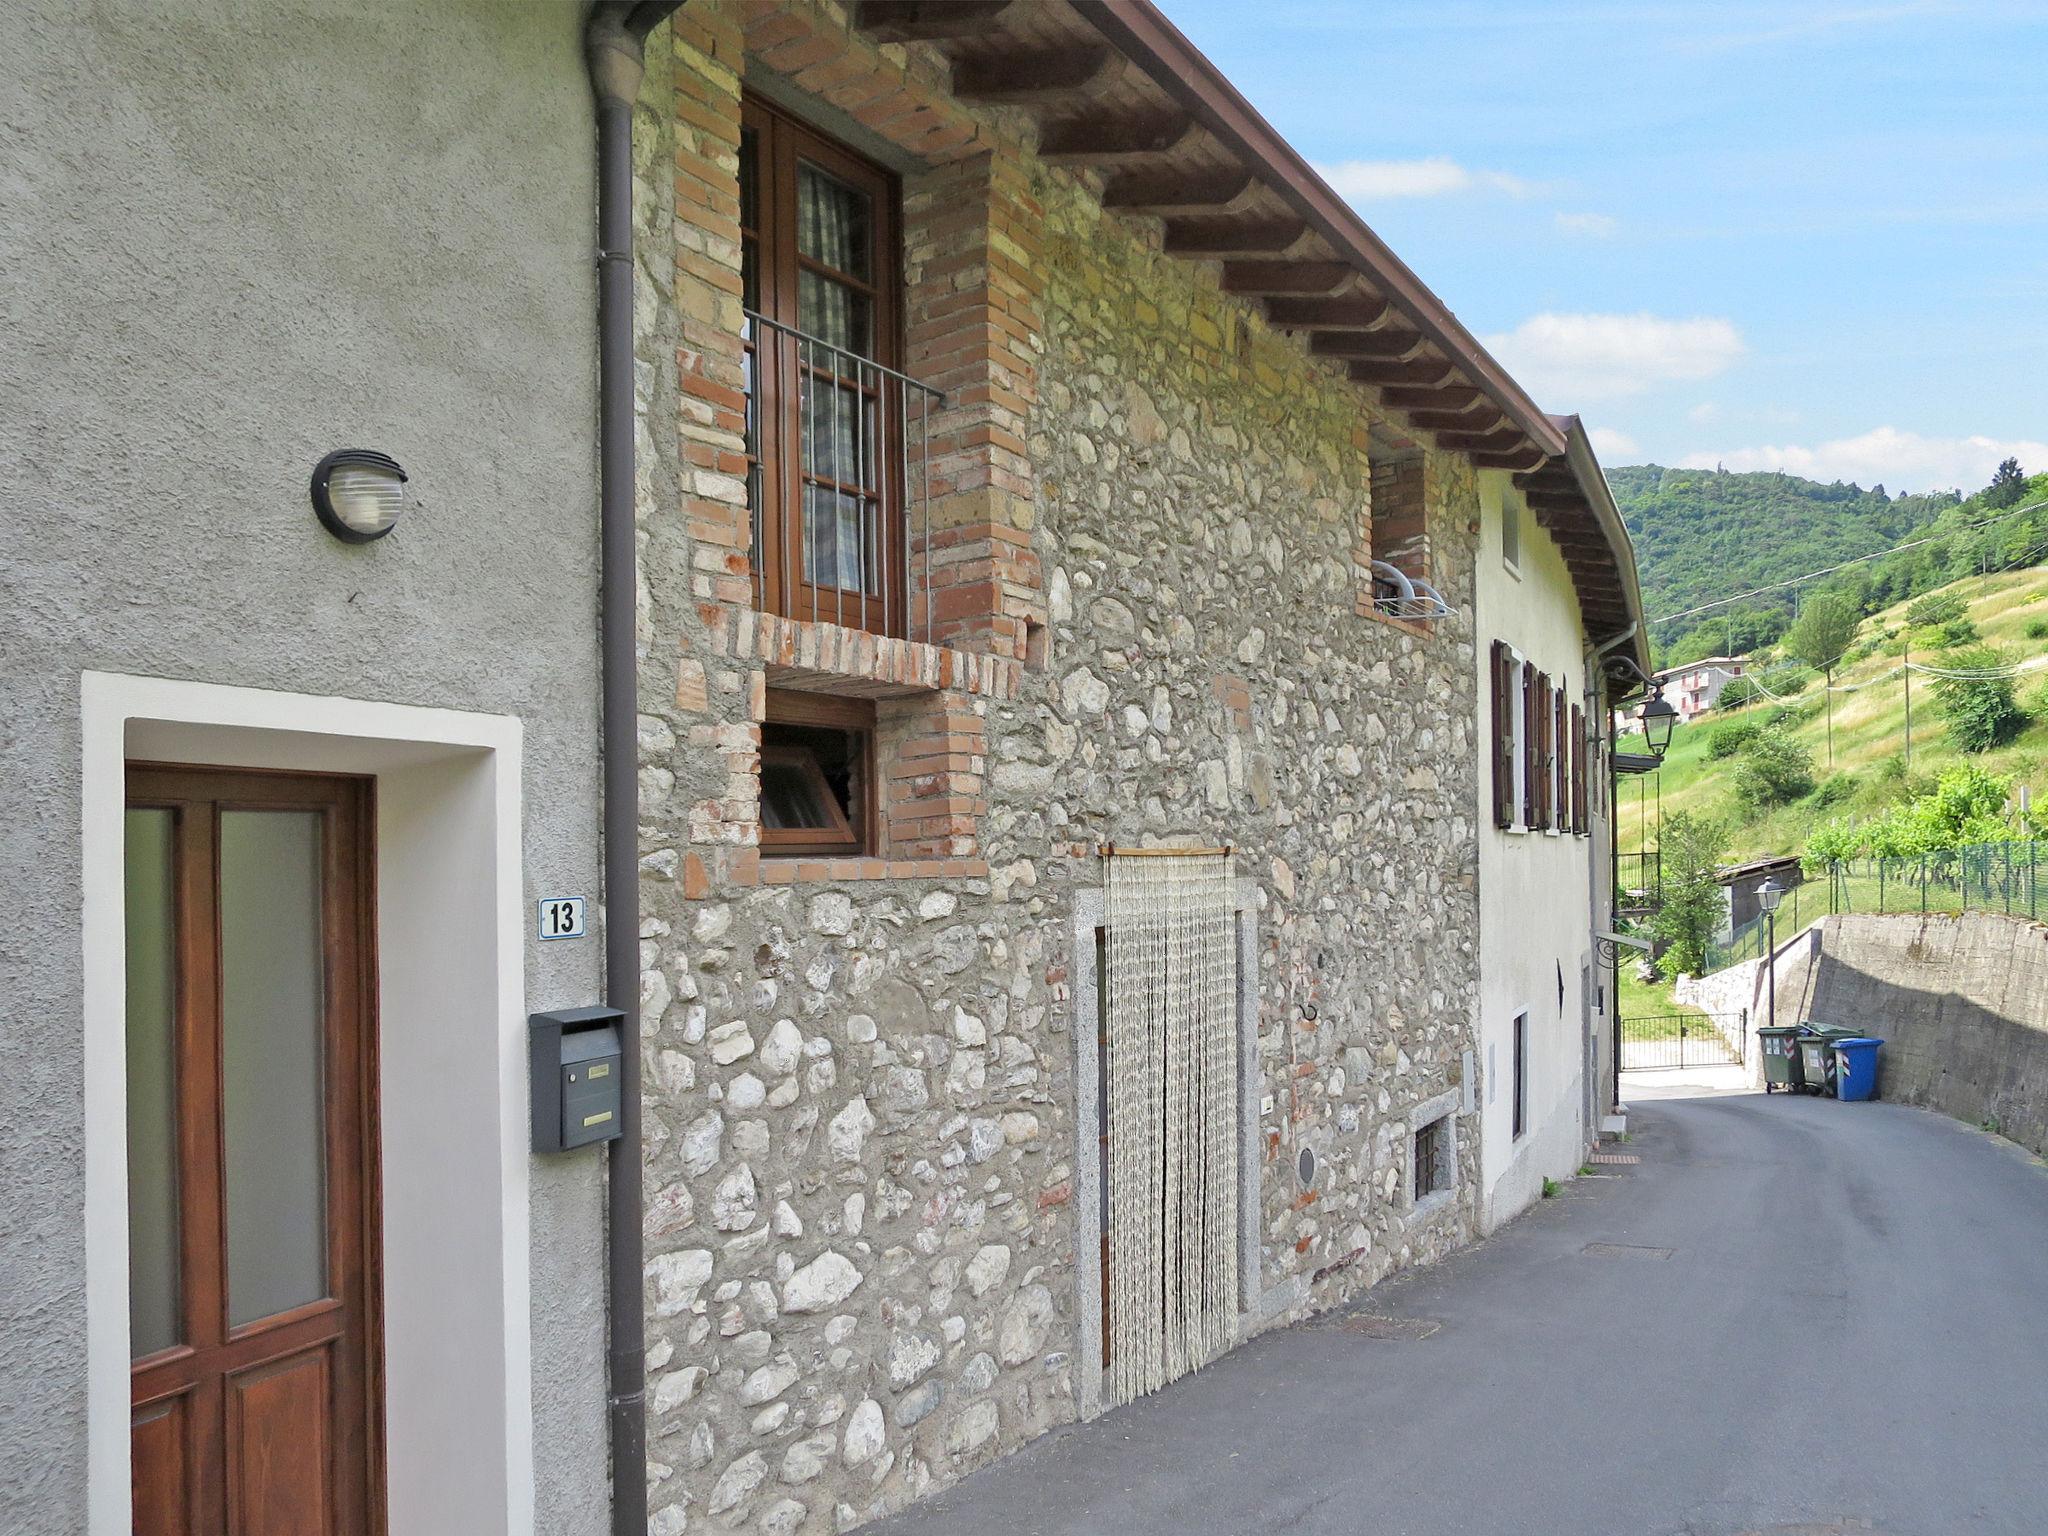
1896,549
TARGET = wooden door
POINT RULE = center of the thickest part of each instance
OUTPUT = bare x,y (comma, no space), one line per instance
253,1260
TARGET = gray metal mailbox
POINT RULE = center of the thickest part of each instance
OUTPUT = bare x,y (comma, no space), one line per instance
576,1075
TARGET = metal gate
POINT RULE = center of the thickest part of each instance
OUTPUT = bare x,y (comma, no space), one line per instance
1654,1040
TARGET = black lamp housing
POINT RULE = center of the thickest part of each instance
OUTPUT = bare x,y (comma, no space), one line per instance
1658,718
323,503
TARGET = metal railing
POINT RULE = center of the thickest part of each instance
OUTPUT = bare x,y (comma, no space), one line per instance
1639,881
837,471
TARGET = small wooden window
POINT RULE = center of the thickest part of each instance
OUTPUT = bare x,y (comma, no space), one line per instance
817,775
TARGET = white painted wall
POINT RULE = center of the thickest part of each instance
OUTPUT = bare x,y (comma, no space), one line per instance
1534,889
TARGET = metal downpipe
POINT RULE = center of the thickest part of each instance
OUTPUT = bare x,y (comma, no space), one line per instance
614,35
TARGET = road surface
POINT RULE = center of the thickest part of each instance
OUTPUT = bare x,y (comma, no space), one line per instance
1849,1333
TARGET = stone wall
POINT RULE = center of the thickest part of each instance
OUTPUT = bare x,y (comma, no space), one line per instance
860,1079
1961,1003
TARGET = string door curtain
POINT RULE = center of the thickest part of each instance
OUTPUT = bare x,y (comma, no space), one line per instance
1172,1091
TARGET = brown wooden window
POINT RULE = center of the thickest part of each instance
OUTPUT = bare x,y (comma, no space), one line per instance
826,411
817,775
1582,819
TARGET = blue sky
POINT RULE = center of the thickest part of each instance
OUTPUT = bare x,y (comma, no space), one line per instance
1808,237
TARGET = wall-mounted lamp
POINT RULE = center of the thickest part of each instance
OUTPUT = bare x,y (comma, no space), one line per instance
358,494
1658,719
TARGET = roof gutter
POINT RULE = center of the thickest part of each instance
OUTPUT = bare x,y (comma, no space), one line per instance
615,35
1138,30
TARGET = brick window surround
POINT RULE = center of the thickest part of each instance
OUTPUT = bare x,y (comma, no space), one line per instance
971,323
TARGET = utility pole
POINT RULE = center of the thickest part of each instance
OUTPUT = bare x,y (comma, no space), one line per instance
1909,699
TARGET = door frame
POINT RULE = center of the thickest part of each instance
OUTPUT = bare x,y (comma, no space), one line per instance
451,930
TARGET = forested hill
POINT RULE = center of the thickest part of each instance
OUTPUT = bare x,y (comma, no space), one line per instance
1702,534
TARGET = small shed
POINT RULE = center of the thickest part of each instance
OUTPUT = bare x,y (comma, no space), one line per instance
1741,881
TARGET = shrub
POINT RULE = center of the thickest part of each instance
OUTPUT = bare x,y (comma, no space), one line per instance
1982,711
1727,740
1740,691
1836,838
1833,790
2037,629
1954,634
1774,769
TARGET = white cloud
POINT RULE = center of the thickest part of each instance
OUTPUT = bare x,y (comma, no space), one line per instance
1567,359
1595,226
1899,461
1610,443
1703,413
1378,181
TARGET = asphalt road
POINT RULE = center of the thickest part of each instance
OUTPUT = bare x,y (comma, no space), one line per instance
1850,1334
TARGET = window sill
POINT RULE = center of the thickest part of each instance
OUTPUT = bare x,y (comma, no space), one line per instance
804,871
816,657
1430,1205
1420,628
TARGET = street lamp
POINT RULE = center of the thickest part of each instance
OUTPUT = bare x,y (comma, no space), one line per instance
1768,895
1658,719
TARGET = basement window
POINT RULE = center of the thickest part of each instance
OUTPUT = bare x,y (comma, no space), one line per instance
817,776
1432,1173
1432,1161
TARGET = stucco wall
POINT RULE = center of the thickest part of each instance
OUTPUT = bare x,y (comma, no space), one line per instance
1960,1002
236,236
1534,890
861,1093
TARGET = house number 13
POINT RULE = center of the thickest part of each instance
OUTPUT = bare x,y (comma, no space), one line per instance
561,917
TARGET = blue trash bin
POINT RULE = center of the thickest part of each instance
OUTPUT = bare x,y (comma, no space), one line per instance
1856,1067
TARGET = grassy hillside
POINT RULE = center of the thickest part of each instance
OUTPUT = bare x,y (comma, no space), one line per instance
1869,769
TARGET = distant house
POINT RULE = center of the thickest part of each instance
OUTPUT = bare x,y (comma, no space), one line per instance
1692,689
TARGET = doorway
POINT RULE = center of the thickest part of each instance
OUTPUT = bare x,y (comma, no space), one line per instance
253,1192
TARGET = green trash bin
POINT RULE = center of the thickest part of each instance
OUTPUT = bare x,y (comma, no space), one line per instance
1817,1055
1779,1044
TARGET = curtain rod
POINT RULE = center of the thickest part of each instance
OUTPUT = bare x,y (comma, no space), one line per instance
1111,851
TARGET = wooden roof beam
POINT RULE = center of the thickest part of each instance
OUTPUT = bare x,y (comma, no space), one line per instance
1035,78
1118,141
1224,238
1525,458
1391,344
1345,312
1418,372
1261,278
1480,442
924,21
1174,193
1451,397
1484,417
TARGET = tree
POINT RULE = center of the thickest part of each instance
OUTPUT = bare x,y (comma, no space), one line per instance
2008,485
1979,704
1826,626
1691,848
1774,768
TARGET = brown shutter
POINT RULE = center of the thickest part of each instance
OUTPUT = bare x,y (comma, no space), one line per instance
1530,756
1560,752
1503,737
1582,823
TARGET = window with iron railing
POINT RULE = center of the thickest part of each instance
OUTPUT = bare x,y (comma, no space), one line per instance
836,433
